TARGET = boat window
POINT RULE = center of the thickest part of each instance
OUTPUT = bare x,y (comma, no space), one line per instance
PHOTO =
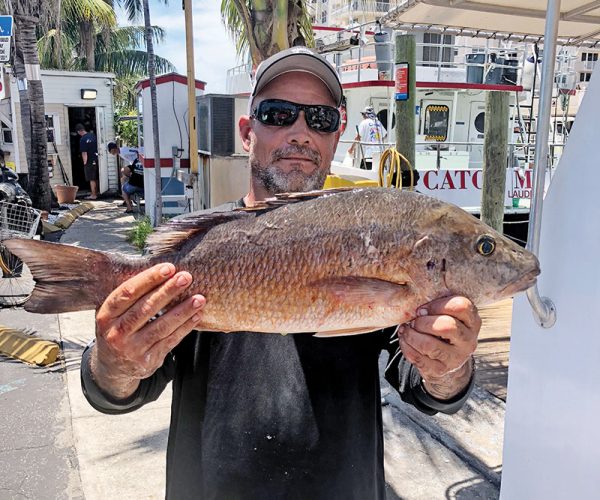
382,116
436,123
480,122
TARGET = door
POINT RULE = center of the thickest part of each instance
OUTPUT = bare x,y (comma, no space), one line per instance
475,134
102,153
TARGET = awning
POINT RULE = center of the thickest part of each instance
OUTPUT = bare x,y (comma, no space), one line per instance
503,19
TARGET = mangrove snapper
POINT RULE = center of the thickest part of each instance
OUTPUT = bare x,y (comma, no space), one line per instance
338,262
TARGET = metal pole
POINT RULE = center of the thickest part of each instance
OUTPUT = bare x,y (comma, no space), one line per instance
543,308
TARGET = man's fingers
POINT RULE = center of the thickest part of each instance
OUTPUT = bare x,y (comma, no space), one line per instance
153,302
460,308
159,350
424,364
450,356
163,327
129,292
447,328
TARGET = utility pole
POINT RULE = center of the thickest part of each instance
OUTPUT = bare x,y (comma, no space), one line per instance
495,156
191,84
405,79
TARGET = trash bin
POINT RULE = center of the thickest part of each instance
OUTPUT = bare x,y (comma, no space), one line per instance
475,73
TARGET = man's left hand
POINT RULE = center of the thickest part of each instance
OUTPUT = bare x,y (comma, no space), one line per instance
440,343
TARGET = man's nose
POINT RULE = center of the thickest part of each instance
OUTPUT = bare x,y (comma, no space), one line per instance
299,132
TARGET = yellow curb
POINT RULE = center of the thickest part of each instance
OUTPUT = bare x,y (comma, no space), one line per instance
19,345
65,220
50,228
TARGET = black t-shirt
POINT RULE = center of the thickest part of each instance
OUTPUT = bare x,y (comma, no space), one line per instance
89,145
266,416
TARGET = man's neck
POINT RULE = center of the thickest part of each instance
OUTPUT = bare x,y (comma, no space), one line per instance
256,193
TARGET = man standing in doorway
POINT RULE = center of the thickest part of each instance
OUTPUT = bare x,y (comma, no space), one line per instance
88,147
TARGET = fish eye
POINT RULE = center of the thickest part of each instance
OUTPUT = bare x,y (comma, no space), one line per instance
485,245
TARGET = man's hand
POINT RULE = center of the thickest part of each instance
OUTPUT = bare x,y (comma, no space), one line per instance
129,347
440,343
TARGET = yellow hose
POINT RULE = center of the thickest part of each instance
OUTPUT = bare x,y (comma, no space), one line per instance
395,159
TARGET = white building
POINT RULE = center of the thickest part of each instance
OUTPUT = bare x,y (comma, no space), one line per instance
69,98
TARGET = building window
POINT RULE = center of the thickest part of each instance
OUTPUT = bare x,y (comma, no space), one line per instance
323,17
585,77
6,133
436,123
53,128
431,53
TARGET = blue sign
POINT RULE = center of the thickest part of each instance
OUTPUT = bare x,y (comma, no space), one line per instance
6,25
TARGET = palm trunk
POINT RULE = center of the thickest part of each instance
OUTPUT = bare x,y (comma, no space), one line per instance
155,134
39,182
88,42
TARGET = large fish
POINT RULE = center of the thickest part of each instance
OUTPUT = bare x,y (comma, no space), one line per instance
333,263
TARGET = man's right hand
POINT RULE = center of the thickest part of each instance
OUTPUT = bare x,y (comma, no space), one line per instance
130,348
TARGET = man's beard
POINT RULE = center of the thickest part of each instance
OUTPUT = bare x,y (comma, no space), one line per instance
275,181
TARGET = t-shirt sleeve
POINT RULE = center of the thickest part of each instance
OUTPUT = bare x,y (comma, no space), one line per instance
406,379
149,389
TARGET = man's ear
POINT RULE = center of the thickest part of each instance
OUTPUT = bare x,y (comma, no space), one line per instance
245,128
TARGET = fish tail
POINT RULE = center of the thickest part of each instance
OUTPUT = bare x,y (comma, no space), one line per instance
69,278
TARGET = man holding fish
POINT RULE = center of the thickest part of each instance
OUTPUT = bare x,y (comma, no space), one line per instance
269,416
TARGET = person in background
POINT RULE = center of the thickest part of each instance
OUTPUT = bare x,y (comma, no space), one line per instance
265,416
88,147
132,173
369,130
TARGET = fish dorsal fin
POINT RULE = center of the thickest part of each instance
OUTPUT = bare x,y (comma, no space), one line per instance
172,235
288,198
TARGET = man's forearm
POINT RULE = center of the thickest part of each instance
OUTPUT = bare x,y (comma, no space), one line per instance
117,386
451,384
84,158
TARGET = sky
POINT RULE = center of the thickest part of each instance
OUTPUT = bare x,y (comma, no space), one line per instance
214,51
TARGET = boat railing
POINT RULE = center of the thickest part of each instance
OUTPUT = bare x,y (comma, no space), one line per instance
520,155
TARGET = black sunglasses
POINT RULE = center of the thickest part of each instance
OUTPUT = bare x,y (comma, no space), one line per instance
279,113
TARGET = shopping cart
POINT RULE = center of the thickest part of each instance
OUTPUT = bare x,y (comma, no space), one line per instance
16,221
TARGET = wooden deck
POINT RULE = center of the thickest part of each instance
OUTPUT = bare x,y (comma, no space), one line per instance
493,350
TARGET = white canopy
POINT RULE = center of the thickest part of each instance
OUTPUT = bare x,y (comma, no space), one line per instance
516,19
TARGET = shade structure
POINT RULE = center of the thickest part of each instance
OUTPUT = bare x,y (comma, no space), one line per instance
515,19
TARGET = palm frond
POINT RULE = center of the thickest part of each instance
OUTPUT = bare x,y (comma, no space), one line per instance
130,62
97,11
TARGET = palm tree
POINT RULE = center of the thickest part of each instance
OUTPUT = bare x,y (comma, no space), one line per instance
119,52
264,27
28,14
134,8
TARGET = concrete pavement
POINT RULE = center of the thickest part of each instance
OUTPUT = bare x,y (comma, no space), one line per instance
98,457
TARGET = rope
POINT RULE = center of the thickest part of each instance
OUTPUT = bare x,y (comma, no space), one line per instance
395,159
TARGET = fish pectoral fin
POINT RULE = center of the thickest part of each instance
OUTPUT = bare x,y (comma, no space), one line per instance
346,332
359,291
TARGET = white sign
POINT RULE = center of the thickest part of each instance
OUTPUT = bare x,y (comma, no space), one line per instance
4,48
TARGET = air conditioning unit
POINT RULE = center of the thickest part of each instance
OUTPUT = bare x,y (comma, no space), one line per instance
216,124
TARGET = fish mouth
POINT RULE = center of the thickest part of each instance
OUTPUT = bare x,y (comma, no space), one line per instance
525,282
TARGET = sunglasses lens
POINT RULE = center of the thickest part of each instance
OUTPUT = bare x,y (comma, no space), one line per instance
276,113
322,118
284,113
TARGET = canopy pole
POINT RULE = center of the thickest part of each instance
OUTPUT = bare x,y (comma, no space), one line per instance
543,308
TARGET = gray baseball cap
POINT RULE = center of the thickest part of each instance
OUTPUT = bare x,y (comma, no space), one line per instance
297,59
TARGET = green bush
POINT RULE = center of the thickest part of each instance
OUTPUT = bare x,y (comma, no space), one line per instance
139,233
